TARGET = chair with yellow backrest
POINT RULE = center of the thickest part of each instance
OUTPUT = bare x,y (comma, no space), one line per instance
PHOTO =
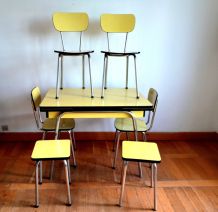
125,125
51,150
118,23
49,124
65,22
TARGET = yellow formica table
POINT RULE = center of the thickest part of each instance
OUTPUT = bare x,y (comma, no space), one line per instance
77,99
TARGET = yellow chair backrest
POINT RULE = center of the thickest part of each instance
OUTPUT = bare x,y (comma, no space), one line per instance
152,96
117,23
36,97
70,22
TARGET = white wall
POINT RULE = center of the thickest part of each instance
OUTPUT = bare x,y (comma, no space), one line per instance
178,41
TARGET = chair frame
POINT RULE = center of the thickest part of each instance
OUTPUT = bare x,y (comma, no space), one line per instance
125,54
150,121
62,53
39,124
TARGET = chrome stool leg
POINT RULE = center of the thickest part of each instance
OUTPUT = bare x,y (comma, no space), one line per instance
155,185
37,185
67,182
123,182
40,172
68,166
116,150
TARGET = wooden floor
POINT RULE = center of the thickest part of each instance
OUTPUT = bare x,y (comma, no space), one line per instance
187,179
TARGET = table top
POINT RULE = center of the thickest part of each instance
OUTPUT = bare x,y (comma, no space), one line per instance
77,99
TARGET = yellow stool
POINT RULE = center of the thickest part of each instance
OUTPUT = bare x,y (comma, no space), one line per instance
140,152
51,150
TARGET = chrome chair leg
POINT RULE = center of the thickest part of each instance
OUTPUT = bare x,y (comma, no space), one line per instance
103,78
90,77
106,70
144,136
137,93
83,72
57,82
62,72
72,149
127,136
74,140
115,140
116,150
67,182
123,182
127,71
37,185
43,135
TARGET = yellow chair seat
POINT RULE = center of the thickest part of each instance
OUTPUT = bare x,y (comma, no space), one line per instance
51,150
127,125
50,124
140,151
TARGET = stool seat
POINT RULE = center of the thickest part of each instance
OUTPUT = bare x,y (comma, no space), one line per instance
140,151
51,150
